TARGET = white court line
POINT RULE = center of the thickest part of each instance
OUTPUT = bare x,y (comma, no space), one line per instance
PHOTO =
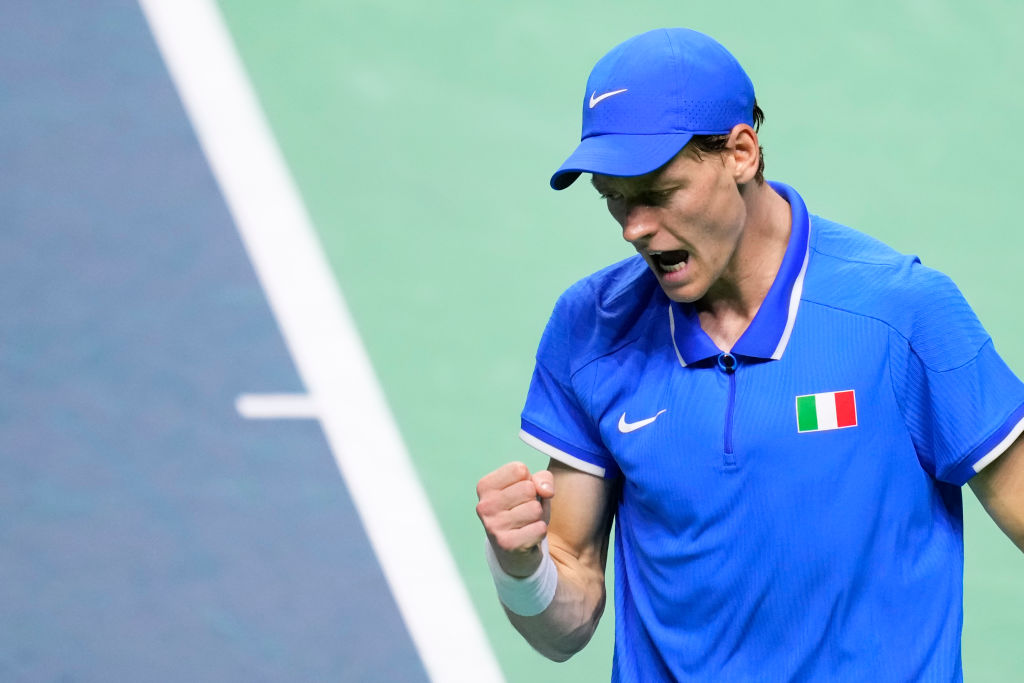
322,339
276,406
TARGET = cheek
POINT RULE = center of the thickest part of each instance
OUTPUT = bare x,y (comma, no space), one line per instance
725,213
715,224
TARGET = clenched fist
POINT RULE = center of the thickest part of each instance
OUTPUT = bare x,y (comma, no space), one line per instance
514,509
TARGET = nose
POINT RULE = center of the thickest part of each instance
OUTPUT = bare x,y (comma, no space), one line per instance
639,223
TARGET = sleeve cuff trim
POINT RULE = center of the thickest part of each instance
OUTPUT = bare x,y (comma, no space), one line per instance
1000,447
560,455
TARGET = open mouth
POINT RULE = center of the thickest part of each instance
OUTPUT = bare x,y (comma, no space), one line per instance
670,261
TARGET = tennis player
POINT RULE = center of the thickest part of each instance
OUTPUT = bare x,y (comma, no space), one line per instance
778,412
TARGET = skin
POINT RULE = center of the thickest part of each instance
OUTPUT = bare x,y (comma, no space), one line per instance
735,231
515,523
1000,488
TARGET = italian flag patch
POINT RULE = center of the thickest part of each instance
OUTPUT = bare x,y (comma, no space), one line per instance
832,410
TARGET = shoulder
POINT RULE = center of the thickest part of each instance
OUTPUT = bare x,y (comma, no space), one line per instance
855,272
604,311
858,274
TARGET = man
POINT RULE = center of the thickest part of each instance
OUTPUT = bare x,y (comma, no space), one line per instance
778,412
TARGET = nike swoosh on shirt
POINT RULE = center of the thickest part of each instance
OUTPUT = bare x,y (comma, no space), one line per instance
595,98
627,427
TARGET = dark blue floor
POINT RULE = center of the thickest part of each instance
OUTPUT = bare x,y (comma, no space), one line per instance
147,532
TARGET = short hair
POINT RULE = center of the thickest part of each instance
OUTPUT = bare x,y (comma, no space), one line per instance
715,144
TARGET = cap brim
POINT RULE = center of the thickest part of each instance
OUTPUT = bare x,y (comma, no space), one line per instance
619,155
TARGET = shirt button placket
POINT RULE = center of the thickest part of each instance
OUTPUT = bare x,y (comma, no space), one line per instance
728,363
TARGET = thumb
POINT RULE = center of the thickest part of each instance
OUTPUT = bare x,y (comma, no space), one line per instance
544,482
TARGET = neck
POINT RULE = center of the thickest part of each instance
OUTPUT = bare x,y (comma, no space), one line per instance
731,304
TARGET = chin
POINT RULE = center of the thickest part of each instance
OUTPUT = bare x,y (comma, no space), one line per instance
683,295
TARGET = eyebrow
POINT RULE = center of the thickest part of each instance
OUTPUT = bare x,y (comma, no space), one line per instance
636,193
600,186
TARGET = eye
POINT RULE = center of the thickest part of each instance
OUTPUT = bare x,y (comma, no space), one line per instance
658,197
611,196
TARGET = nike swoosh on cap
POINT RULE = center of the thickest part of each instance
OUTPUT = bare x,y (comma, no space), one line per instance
627,427
595,98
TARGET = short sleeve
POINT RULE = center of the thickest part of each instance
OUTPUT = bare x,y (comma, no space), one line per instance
960,401
554,419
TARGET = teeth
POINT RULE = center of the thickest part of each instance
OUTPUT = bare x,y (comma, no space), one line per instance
672,264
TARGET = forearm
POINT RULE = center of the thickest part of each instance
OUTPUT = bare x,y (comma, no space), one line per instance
568,623
548,565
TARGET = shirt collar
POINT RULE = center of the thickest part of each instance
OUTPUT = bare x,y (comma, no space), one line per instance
768,333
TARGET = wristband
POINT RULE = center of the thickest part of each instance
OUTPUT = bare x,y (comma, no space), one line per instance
527,596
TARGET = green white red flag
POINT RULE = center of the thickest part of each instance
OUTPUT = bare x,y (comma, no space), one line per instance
831,410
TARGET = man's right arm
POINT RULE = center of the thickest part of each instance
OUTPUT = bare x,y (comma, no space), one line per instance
514,509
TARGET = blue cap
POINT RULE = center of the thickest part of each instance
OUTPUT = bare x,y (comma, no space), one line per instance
647,97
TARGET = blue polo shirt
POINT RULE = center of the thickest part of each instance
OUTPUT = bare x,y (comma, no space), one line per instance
789,510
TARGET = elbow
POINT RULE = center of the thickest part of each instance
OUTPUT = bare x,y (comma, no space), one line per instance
558,652
562,647
559,656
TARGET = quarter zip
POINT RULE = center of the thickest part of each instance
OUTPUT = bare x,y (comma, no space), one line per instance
728,363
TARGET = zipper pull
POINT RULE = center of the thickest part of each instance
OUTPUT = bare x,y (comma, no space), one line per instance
727,362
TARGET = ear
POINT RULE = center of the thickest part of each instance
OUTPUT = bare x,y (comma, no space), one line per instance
745,153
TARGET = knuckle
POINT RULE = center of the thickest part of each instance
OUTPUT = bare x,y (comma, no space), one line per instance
506,543
519,470
483,485
486,509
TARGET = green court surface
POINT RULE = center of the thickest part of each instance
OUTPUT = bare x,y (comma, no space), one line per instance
422,135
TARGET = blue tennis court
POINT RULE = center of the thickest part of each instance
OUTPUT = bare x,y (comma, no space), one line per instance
149,531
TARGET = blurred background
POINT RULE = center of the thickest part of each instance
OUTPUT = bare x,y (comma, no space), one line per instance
150,531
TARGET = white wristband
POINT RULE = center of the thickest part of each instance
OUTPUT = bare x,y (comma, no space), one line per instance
528,596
